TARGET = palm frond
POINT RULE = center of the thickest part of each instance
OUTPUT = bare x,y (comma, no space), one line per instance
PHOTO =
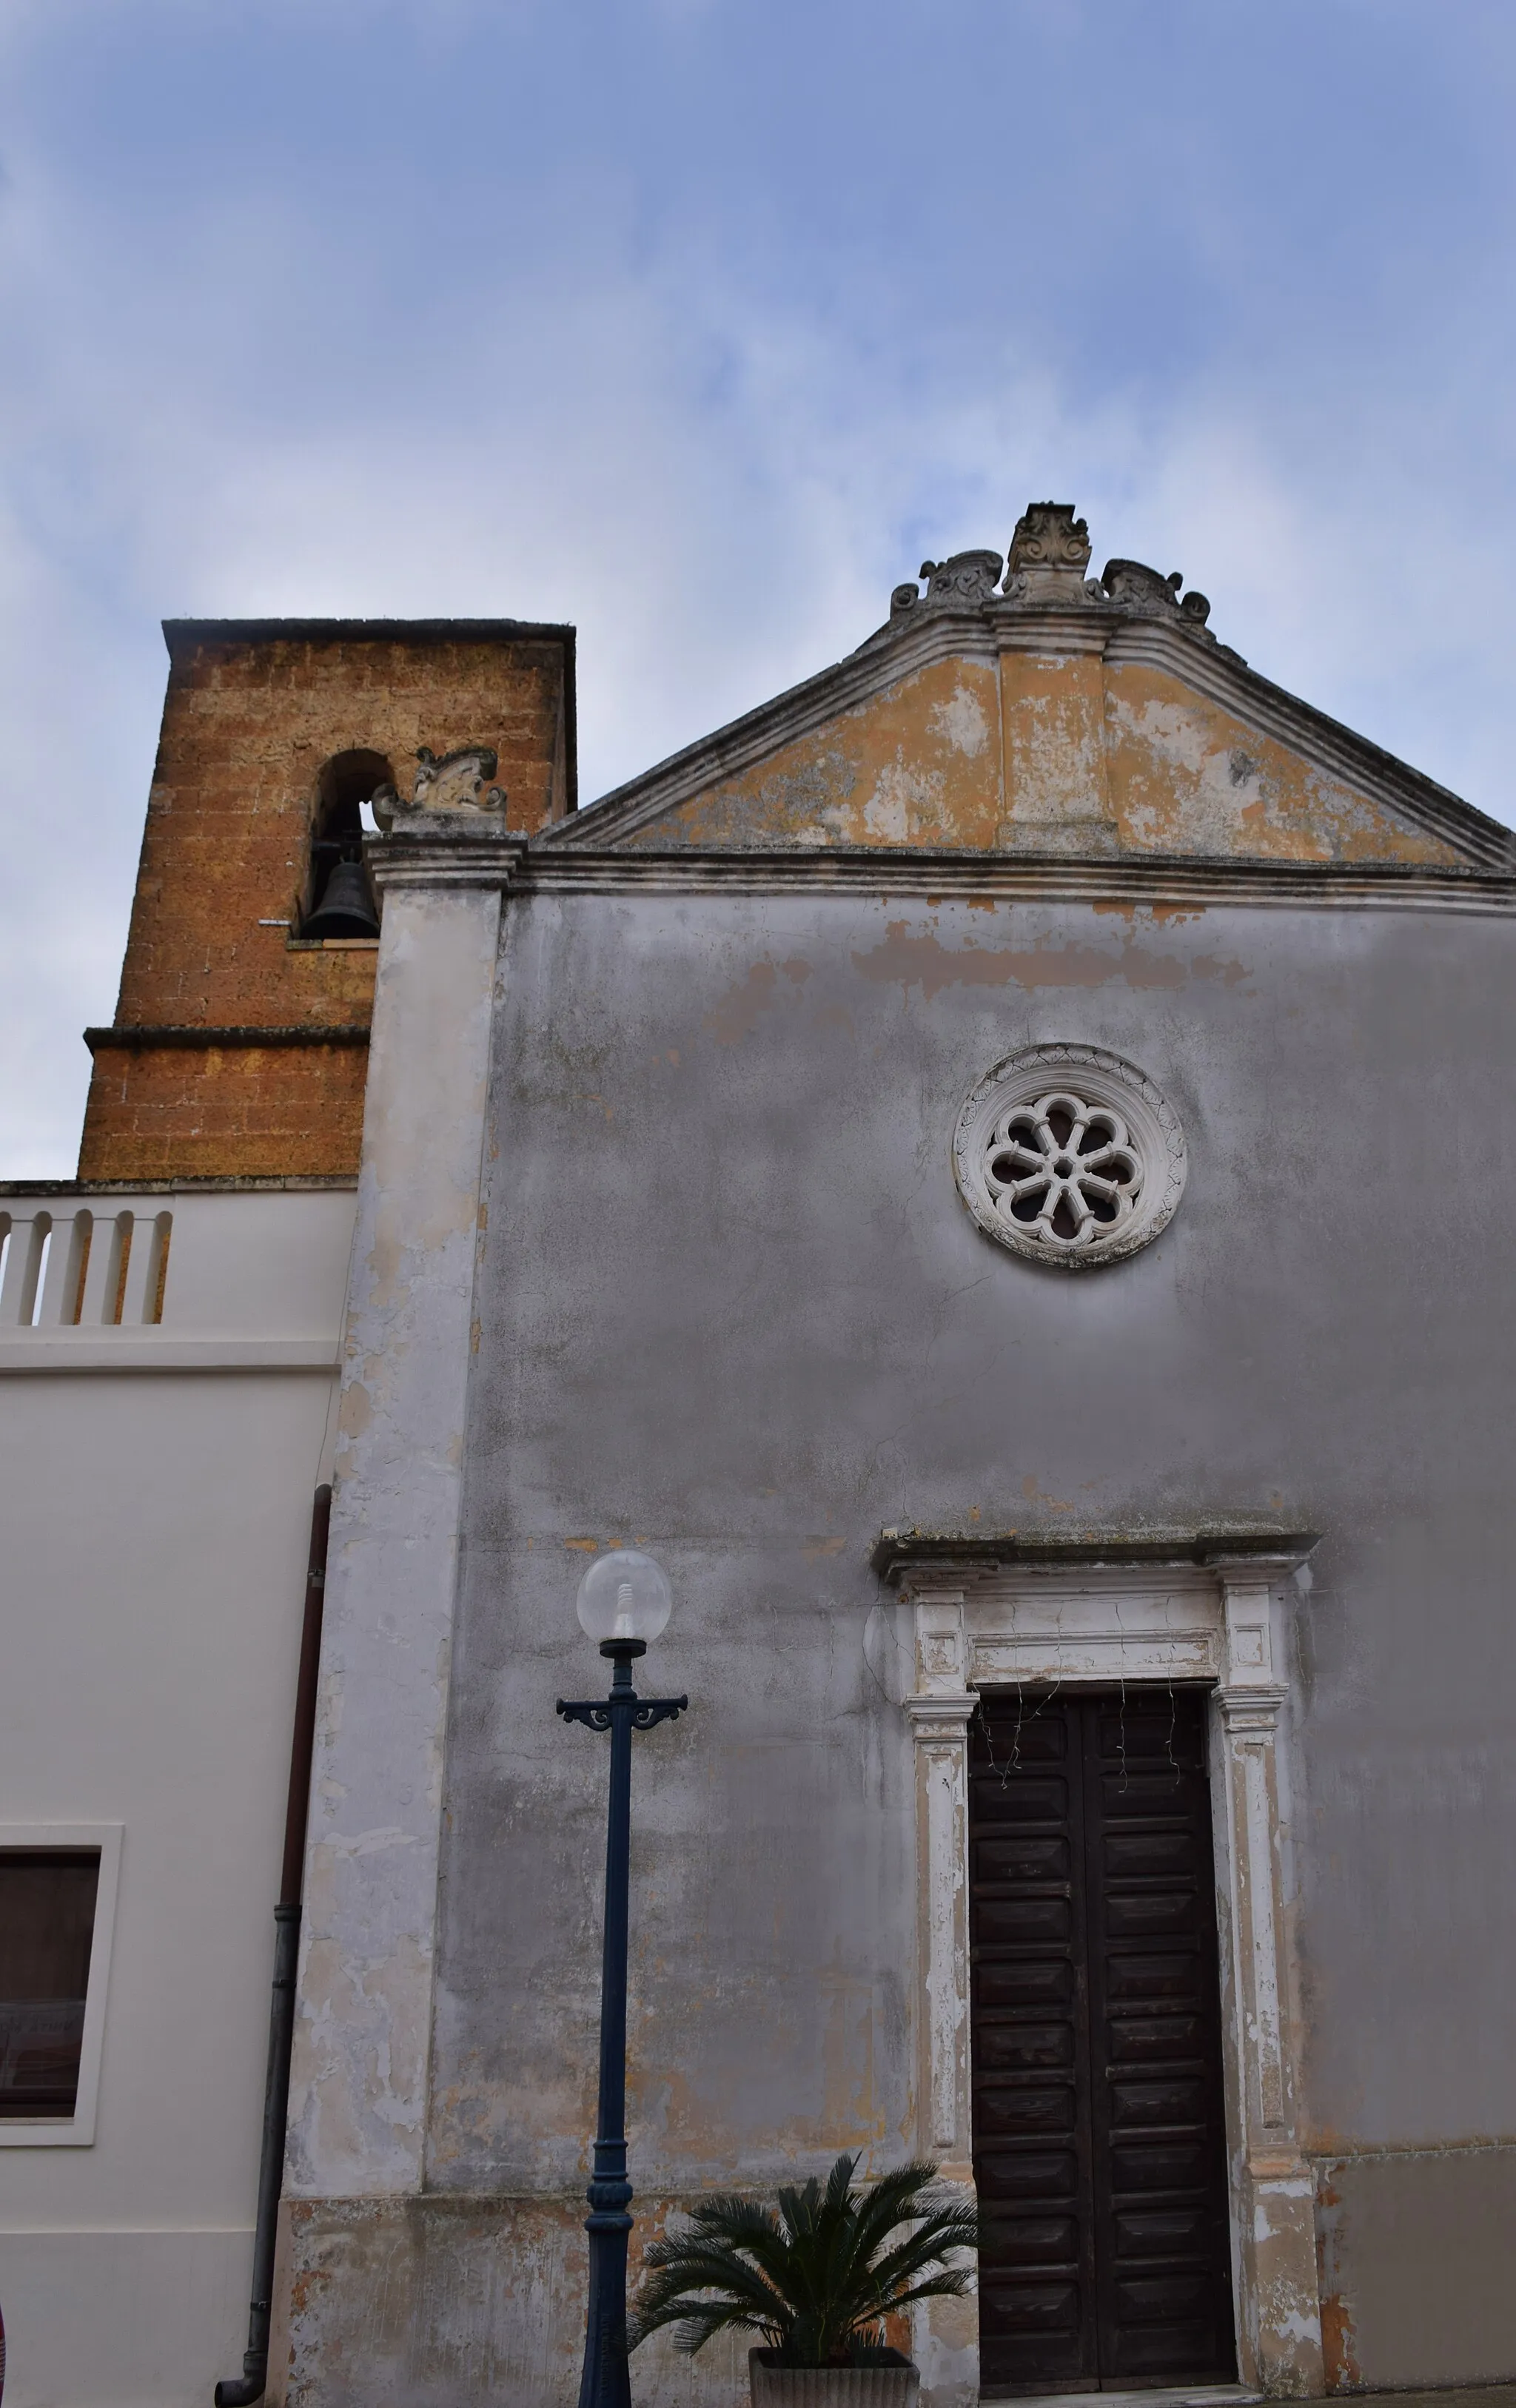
815,2274
703,2270
694,2321
950,2283
940,2236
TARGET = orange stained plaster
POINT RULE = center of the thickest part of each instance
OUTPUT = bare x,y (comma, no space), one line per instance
911,958
1055,750
918,764
1043,754
1186,777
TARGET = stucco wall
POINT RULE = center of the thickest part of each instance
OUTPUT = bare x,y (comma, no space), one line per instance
156,1493
730,1307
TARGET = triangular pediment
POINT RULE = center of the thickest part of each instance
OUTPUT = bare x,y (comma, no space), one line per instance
1051,715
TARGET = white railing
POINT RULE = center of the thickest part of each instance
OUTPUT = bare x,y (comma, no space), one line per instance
67,1265
118,1279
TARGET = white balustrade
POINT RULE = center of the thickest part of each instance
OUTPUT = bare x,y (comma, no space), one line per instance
68,1264
172,1279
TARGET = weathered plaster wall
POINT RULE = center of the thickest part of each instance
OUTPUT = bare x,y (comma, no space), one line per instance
1044,752
364,2012
444,2299
731,1307
1187,776
1415,2252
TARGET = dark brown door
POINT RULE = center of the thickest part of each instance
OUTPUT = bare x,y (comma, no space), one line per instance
1099,2140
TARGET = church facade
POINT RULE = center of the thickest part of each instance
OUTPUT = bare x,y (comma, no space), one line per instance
929,1164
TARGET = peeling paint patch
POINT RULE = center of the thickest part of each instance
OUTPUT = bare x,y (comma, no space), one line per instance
926,962
962,722
1044,752
1055,755
905,806
738,1015
1185,777
916,765
1339,2341
454,2299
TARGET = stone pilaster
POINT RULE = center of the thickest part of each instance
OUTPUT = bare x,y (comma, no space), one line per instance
358,2089
946,2331
1278,2321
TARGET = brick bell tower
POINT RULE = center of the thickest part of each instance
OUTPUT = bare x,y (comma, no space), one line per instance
238,1049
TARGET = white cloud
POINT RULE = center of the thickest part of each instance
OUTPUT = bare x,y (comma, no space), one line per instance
227,409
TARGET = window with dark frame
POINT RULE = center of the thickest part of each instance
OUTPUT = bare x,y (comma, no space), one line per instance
47,1931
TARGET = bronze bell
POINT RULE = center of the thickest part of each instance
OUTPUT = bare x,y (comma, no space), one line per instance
346,908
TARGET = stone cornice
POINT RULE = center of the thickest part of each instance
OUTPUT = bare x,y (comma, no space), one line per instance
1224,678
944,1716
900,1556
143,1036
445,849
939,631
111,1350
549,868
184,634
178,1185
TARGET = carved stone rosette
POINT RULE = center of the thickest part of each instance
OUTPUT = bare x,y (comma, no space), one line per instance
1069,1156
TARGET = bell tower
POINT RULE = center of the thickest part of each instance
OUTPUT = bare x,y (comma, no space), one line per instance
240,1045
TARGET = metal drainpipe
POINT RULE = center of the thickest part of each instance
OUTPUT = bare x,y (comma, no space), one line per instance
240,2393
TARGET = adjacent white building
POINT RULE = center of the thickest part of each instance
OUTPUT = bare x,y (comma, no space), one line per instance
158,1458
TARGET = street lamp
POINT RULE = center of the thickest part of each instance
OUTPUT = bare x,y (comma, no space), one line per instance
624,1602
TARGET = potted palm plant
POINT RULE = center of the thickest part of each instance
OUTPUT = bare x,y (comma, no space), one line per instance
814,2275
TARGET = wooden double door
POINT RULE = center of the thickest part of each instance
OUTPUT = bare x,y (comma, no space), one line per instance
1098,2138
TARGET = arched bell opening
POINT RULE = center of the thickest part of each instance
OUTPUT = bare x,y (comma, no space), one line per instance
339,899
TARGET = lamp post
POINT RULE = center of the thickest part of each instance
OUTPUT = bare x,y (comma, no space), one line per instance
624,1602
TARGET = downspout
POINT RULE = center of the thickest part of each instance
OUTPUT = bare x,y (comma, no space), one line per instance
254,2376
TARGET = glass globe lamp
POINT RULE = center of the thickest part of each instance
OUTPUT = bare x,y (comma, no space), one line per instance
624,1602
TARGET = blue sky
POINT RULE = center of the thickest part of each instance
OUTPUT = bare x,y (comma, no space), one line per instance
701,323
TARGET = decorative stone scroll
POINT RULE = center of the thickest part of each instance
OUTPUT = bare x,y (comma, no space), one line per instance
1046,571
1132,587
1049,536
1069,1156
447,782
968,577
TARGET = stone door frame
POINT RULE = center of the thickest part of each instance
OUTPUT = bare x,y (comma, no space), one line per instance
989,1614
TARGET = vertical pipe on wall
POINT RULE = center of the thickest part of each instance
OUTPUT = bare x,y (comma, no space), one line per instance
250,2385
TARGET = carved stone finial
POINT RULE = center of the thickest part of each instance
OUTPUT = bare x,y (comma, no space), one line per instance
968,579
453,782
1049,536
1133,587
1145,594
1049,555
1045,572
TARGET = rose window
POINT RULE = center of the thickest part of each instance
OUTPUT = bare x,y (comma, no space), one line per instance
1062,1166
1069,1155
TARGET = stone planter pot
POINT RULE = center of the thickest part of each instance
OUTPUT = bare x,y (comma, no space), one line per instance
892,2382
